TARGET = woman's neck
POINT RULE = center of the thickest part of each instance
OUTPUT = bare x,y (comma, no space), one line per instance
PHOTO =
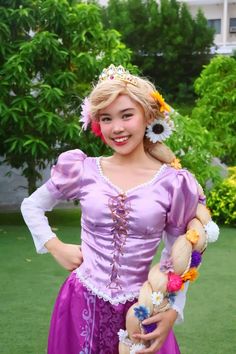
144,160
130,159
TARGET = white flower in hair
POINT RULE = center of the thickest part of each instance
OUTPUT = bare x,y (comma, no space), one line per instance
124,337
157,298
212,231
159,130
136,347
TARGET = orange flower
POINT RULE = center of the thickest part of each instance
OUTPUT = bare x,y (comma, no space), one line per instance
176,163
191,275
192,236
163,105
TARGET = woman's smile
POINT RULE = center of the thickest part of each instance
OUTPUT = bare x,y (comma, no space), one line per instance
121,140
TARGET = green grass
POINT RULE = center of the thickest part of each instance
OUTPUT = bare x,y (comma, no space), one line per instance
30,282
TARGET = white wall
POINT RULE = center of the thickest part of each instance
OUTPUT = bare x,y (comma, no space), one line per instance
212,10
231,38
13,189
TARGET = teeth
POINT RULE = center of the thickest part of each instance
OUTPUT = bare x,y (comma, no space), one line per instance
121,139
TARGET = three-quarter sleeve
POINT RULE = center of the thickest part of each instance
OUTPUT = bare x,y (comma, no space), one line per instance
65,183
184,198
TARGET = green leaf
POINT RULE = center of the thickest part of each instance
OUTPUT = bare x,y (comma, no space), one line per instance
43,78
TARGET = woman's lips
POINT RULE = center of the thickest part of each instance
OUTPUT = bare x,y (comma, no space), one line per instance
121,140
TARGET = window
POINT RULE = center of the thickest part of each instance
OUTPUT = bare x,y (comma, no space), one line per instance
232,25
216,24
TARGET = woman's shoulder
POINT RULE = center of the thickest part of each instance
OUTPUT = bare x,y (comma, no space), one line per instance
69,163
67,174
174,177
74,162
173,171
72,155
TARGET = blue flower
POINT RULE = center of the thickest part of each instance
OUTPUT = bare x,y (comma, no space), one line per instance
171,298
141,312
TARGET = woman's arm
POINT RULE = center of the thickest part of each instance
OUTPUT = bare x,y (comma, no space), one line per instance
33,210
165,321
69,256
179,300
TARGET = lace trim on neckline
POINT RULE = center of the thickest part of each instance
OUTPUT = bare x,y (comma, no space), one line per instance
121,299
120,190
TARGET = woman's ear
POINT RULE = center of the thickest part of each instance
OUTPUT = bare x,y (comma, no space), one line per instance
149,120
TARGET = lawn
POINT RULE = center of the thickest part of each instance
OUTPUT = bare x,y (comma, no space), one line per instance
30,283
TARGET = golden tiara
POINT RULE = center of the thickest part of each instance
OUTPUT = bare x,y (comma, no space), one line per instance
117,73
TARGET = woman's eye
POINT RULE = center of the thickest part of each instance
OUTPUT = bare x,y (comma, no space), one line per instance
127,116
105,119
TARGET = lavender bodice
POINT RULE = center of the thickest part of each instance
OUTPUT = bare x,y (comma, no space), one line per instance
121,231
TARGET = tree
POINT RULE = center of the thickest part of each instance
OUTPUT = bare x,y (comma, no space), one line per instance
216,106
50,52
195,146
129,18
167,43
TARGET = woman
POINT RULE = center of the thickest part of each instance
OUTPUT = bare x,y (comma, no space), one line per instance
129,201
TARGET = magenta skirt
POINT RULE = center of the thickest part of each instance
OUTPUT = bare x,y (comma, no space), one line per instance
84,324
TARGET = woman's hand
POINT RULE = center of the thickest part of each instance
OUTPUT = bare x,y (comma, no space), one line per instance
68,256
165,322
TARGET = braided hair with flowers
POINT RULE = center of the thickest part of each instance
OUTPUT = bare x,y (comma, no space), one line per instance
168,277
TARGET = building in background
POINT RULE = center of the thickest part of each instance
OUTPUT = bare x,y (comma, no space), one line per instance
221,15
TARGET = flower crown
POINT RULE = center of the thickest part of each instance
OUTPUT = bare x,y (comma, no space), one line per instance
160,129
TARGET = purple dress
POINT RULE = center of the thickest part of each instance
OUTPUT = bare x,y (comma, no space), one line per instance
120,233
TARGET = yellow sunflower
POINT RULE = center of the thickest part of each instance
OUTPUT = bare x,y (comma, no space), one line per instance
159,98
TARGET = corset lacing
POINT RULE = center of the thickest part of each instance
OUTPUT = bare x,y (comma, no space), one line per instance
120,208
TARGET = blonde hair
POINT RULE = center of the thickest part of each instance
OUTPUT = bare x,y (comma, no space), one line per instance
105,92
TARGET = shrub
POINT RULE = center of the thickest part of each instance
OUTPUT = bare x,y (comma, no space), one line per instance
194,145
216,105
222,200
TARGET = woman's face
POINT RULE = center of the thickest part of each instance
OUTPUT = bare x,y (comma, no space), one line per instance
123,125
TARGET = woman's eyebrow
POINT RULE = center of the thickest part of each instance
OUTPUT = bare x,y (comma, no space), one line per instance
127,109
121,111
104,115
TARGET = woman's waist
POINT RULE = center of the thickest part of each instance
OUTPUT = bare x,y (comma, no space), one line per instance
116,291
127,257
110,230
125,243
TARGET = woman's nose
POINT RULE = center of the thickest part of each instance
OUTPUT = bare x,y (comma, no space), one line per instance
117,126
